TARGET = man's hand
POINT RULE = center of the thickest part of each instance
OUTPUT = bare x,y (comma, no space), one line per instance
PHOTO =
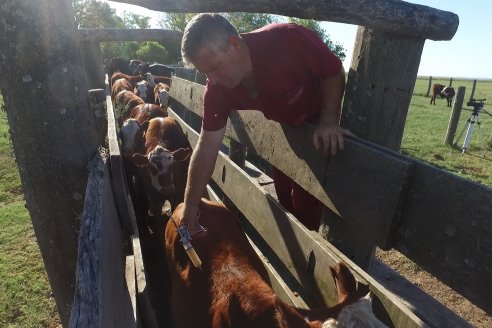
328,138
190,219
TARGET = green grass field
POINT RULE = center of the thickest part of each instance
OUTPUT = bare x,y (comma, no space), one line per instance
25,297
26,300
426,127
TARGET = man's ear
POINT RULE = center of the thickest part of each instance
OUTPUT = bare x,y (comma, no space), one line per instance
234,41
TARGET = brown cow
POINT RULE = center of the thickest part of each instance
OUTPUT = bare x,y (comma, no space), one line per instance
164,167
124,102
133,79
233,288
442,91
156,79
120,85
161,95
133,128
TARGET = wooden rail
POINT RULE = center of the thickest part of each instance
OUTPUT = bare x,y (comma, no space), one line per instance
394,16
439,216
305,254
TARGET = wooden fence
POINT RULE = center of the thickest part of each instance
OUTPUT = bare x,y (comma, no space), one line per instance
438,220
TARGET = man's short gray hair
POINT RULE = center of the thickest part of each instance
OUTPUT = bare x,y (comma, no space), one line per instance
211,30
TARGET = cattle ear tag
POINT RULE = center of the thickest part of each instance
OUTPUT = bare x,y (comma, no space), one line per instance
139,159
181,154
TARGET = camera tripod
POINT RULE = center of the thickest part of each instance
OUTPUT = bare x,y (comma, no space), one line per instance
477,107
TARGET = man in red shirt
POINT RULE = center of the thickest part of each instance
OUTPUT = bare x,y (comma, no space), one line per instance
283,70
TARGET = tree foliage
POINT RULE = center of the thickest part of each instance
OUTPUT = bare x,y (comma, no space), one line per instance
246,22
152,52
95,14
136,21
314,25
175,21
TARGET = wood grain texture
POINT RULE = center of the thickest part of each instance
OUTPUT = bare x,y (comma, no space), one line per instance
304,253
394,16
364,183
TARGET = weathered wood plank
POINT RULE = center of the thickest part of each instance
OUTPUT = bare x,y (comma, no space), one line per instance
387,15
446,229
143,292
379,88
120,34
278,285
86,311
117,172
131,284
115,298
363,183
304,253
101,297
426,307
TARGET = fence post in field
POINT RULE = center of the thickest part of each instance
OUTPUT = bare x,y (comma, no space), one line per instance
450,81
429,87
473,89
455,116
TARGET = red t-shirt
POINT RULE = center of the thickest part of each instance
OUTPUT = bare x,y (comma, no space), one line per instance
289,62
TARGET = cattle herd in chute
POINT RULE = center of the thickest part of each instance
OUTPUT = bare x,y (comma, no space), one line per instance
232,289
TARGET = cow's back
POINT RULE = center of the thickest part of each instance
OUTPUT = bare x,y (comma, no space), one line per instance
167,132
227,260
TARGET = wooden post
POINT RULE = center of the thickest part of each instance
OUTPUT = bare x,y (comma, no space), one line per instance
379,89
52,130
200,78
473,89
429,87
185,73
455,116
92,63
450,81
237,152
97,100
377,97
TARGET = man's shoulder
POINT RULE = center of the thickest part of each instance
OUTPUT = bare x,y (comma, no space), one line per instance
277,28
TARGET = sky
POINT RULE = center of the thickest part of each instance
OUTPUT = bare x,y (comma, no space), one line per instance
466,55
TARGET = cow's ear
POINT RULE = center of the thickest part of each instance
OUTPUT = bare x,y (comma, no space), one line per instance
139,160
181,154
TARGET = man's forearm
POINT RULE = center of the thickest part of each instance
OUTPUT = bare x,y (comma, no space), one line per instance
333,89
201,166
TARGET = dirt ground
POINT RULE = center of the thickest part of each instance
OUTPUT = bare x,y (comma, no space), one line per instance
454,301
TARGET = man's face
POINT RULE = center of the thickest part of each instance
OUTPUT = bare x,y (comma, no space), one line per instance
221,67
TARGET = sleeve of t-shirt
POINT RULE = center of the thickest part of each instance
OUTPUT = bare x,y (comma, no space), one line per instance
216,108
318,58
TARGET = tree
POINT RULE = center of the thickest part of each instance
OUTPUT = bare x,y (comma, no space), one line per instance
314,25
246,22
52,129
95,14
136,21
175,21
152,52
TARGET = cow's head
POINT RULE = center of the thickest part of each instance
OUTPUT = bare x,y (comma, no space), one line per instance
141,90
162,98
150,79
160,163
132,136
357,314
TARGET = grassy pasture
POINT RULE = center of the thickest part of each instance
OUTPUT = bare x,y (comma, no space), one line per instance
25,297
426,127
